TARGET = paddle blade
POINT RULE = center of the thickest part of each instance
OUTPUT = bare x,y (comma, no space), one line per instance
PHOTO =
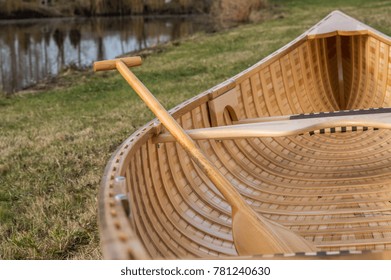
254,235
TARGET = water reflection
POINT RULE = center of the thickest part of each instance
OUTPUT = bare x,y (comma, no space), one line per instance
33,50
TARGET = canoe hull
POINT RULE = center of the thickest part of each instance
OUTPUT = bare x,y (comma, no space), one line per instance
333,189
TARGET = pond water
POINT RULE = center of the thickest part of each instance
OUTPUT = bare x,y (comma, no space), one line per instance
32,50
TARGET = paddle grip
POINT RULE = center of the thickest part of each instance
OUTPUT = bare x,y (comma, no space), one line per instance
111,64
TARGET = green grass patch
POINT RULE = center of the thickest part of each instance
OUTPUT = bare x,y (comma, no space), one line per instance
55,144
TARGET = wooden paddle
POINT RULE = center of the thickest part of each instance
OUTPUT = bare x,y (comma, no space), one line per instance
252,233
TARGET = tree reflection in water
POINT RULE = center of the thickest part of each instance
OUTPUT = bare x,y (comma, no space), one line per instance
32,50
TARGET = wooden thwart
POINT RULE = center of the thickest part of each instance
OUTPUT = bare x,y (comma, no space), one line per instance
292,125
253,234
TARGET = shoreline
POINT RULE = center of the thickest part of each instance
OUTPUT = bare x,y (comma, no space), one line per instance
64,79
36,11
146,16
64,16
71,34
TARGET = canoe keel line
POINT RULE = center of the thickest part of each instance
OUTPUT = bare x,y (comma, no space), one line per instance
254,169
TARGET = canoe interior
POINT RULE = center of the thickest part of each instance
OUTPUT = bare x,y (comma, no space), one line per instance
333,189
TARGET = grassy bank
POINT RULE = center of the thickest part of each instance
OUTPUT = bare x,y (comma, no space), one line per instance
54,144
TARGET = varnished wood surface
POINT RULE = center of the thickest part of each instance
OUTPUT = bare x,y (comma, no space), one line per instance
334,189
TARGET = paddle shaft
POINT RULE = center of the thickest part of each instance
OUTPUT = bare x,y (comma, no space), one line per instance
222,184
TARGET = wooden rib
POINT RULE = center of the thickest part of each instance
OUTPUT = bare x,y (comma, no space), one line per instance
276,77
245,89
189,223
321,47
294,186
213,197
285,84
256,91
228,150
154,246
352,67
329,151
347,67
317,180
191,205
317,88
159,211
357,242
322,76
141,221
327,212
305,168
322,147
266,93
359,92
355,65
337,156
365,70
301,91
374,81
375,209
334,167
341,231
342,100
389,82
340,221
383,73
324,160
189,242
249,156
298,91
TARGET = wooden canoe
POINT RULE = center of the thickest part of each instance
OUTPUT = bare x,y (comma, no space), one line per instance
296,135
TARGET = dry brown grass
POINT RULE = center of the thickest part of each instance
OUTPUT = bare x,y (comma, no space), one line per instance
237,11
20,8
